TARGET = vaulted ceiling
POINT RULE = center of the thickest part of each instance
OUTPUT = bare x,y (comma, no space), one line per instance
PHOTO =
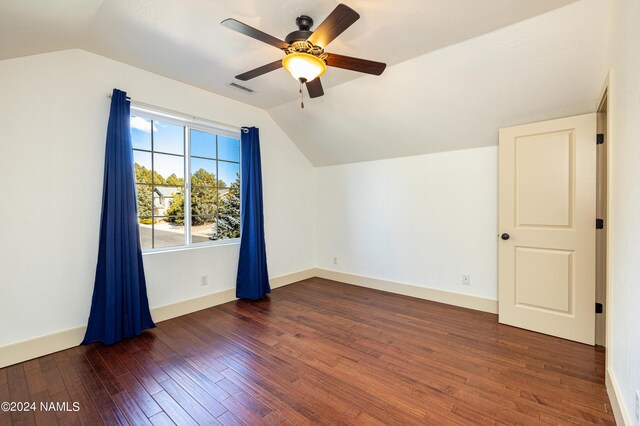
457,69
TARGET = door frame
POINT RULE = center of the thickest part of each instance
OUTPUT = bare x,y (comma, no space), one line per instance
604,103
602,213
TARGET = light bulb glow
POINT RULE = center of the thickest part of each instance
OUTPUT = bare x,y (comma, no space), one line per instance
303,65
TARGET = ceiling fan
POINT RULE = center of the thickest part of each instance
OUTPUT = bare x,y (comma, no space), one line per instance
305,58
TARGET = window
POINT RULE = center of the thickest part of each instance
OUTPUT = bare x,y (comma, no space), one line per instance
181,167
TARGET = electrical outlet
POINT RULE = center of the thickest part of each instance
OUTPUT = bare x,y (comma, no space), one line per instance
466,279
638,406
204,280
335,260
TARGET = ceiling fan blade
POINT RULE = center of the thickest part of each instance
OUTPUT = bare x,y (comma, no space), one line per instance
254,33
260,70
339,20
355,64
315,88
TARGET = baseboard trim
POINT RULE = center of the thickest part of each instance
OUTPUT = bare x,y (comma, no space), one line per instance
291,278
448,297
184,307
617,403
39,346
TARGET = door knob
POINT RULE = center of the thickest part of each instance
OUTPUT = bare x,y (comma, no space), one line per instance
504,236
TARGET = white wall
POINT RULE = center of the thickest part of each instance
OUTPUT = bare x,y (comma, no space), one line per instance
423,220
53,117
624,115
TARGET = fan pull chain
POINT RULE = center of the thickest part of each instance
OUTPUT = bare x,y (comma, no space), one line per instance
301,96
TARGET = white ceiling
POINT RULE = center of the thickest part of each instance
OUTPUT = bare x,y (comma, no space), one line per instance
451,62
550,66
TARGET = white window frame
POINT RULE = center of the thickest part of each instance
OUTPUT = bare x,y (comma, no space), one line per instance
188,124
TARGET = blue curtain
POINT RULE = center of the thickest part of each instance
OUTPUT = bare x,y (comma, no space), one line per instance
119,308
253,278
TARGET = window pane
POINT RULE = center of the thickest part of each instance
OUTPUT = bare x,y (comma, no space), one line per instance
142,166
203,172
227,227
203,201
168,201
203,144
228,172
228,148
143,195
168,232
140,133
229,201
202,228
168,138
167,168
146,232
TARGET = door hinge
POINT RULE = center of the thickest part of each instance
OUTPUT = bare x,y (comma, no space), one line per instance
599,308
600,138
599,223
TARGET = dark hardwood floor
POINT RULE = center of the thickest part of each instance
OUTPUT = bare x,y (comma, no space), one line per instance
319,352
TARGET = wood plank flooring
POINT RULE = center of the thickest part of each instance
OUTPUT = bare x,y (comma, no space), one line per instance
319,352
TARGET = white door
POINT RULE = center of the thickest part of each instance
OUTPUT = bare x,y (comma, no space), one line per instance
547,213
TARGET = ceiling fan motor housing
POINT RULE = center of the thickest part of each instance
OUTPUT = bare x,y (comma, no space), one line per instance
304,24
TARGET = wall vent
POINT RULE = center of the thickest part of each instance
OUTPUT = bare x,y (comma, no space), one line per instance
241,87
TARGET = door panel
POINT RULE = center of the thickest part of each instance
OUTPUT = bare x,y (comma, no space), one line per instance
547,206
543,165
544,279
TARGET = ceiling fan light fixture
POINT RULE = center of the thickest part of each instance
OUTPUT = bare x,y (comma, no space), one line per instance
303,66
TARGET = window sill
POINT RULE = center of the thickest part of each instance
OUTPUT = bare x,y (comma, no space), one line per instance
235,241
